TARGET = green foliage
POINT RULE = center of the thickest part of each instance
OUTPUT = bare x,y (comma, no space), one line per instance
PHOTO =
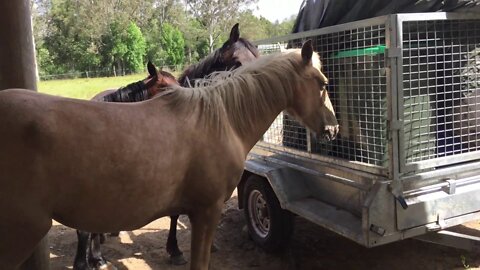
253,28
172,45
66,45
196,46
136,46
152,38
282,28
45,62
217,16
123,47
84,35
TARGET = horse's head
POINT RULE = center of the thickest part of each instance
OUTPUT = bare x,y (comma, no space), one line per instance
158,80
237,51
311,103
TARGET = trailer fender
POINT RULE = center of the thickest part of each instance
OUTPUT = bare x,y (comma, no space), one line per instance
282,179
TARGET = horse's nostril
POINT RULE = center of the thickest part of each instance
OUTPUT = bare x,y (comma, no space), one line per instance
335,132
331,132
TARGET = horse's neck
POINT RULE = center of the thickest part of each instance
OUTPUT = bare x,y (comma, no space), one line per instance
200,70
131,93
252,120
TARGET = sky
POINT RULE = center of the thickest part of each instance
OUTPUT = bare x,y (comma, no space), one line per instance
277,9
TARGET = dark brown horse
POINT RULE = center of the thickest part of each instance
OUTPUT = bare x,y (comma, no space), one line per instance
84,162
89,255
235,52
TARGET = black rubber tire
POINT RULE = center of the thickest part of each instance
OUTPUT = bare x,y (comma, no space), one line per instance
278,234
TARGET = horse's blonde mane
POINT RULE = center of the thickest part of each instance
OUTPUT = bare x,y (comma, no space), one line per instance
195,70
243,94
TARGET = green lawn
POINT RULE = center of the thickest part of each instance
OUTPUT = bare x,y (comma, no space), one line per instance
85,88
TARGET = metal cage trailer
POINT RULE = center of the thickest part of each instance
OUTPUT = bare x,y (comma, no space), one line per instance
406,92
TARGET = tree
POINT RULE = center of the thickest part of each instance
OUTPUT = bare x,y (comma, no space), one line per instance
171,12
123,47
253,28
217,16
45,63
136,48
81,35
68,44
193,32
283,28
172,44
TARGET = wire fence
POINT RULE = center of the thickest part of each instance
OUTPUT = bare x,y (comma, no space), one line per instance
99,73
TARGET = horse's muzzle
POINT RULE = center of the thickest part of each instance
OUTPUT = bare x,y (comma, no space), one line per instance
330,132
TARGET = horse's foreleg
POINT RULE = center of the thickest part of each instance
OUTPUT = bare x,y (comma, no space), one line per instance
19,236
176,255
204,222
81,261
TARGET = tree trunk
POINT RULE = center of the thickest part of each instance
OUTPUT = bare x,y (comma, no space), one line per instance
210,42
189,55
17,58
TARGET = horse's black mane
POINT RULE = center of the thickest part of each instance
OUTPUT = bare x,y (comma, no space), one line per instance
134,92
211,64
206,66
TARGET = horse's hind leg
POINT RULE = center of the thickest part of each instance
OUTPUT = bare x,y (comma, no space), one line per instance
95,257
176,255
81,259
88,254
204,222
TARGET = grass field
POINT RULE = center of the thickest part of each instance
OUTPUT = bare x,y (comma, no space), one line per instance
85,88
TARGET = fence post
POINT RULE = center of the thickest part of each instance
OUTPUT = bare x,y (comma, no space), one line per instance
17,47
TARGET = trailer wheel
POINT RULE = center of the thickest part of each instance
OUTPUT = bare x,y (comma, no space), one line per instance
268,224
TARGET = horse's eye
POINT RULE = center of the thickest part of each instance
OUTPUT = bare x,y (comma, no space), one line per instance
321,83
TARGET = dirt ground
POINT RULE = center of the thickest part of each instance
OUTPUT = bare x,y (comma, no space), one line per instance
312,248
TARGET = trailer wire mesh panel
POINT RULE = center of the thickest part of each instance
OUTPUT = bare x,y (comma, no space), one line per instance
441,88
354,62
427,65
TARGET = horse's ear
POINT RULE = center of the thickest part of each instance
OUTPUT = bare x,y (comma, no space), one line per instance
234,34
307,52
152,70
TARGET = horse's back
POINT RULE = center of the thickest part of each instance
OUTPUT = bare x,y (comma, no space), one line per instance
64,148
67,147
25,125
19,108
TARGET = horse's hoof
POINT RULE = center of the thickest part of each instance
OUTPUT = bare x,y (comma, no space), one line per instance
214,247
81,266
106,266
178,260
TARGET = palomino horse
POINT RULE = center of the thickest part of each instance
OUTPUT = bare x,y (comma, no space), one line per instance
88,253
83,163
235,52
